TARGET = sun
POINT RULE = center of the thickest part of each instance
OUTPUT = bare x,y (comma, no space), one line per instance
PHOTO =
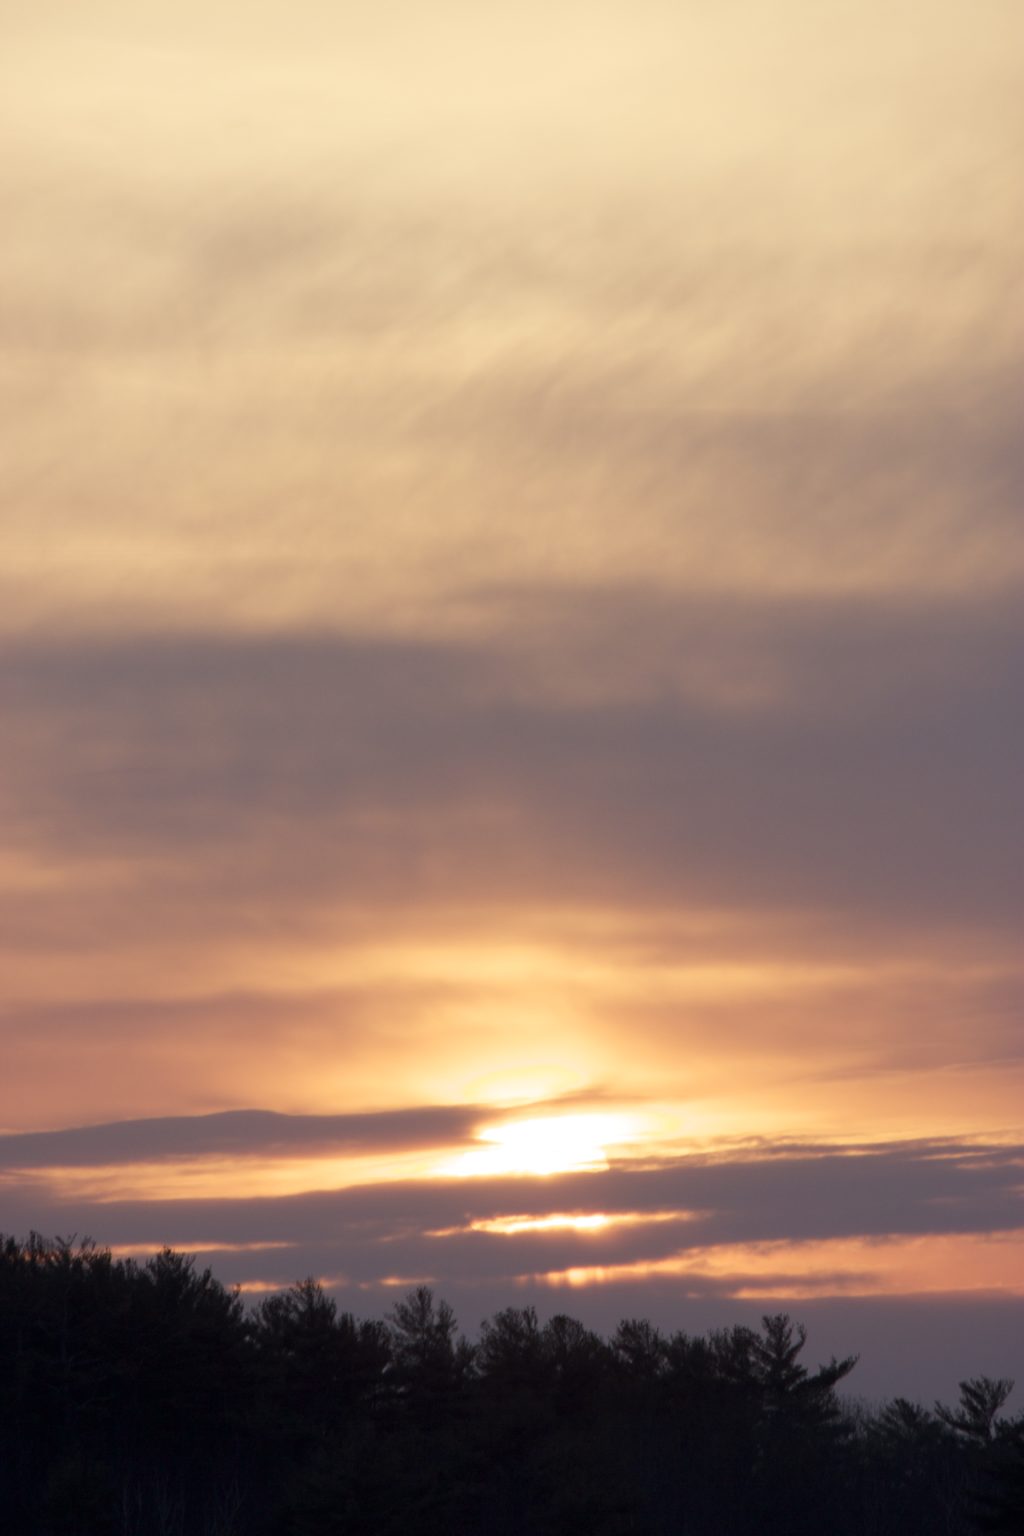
542,1145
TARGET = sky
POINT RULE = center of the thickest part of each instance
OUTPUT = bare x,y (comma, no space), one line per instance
512,656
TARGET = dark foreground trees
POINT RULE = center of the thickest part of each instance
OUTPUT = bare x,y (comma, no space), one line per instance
145,1400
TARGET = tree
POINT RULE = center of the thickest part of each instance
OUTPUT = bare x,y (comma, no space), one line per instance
1000,1502
511,1349
784,1382
426,1352
318,1366
639,1350
974,1418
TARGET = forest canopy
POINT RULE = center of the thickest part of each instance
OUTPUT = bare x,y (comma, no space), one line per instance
140,1397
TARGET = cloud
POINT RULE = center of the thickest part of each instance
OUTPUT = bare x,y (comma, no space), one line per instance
795,1193
328,753
236,1133
341,369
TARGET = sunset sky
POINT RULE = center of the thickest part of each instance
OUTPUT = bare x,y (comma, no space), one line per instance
512,655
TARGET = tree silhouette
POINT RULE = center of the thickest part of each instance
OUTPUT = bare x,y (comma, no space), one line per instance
318,1367
1000,1500
975,1415
146,1398
426,1352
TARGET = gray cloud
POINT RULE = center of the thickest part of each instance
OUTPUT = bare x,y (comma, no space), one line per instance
876,767
236,1133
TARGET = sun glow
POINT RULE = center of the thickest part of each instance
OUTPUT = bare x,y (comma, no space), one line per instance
512,1225
543,1145
565,1221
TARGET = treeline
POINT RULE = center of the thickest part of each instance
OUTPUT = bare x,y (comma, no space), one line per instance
147,1400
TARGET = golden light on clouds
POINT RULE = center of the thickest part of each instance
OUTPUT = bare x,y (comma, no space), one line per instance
235,1178
147,1250
561,1221
895,1266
